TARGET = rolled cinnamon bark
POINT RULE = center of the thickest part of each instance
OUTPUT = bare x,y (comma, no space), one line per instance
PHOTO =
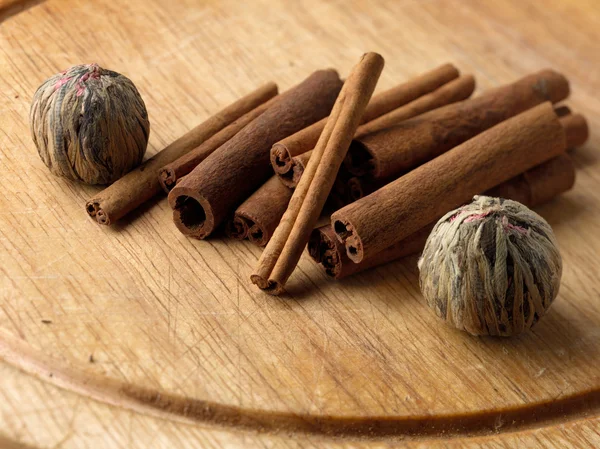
290,169
204,198
532,188
404,206
266,214
306,139
238,227
454,91
141,184
576,130
170,173
389,152
283,251
298,164
260,214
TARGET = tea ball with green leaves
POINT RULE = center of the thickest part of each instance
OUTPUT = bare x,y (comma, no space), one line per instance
491,267
89,124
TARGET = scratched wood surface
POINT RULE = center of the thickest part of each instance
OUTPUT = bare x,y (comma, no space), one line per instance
135,336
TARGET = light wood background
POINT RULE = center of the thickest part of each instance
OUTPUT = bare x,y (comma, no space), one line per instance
136,336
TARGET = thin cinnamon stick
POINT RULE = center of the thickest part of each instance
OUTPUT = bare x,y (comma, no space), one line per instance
141,184
170,173
454,91
258,216
305,140
204,198
389,152
532,188
402,207
284,249
290,171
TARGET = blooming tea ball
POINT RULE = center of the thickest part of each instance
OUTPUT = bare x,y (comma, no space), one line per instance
491,267
89,124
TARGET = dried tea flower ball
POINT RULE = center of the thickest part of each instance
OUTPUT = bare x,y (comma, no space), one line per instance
89,124
491,267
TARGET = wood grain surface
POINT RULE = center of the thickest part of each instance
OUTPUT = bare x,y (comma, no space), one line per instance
135,336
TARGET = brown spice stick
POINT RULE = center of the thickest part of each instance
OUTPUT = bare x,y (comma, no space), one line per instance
306,139
359,186
575,127
298,164
283,251
532,188
261,212
207,195
171,173
455,90
238,227
576,130
389,152
407,204
141,184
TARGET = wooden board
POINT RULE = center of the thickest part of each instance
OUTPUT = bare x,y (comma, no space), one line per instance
136,336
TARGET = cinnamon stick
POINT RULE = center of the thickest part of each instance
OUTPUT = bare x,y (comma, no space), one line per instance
290,170
141,184
203,199
258,216
389,152
454,91
170,173
284,249
402,207
305,140
575,127
532,188
297,165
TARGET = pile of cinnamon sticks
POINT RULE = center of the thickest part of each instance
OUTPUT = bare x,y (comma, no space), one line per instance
388,166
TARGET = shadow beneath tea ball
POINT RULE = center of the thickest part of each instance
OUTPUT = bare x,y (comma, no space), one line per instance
563,333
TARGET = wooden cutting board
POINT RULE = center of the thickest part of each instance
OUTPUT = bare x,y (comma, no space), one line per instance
135,336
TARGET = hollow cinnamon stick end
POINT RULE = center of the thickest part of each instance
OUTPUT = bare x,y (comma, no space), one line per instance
258,235
167,179
237,228
192,214
281,158
94,210
266,285
322,248
291,178
345,233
